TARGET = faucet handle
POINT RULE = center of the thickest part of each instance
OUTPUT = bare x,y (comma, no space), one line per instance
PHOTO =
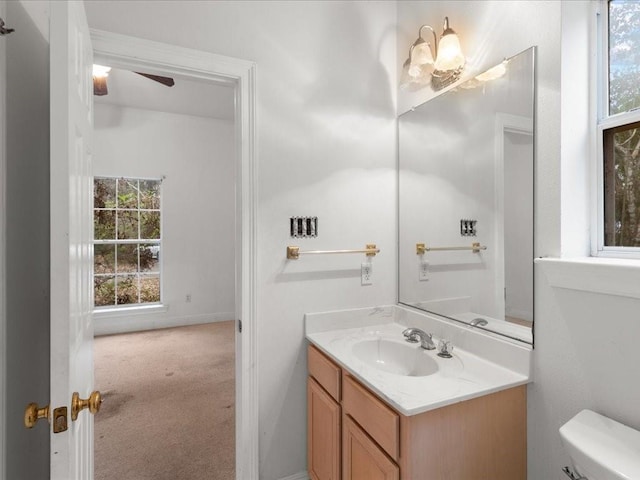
445,348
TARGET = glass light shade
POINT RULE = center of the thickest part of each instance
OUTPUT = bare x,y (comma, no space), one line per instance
100,71
405,78
414,70
450,55
421,54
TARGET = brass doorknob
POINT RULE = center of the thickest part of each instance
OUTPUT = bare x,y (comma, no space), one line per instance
32,414
78,404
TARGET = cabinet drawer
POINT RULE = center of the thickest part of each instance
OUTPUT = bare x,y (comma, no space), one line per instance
326,373
375,418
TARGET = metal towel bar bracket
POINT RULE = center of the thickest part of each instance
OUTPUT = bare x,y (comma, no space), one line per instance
293,253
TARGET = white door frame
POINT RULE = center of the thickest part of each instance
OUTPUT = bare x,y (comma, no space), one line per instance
132,53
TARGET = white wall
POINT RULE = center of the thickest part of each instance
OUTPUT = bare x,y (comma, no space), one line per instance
326,147
27,237
196,155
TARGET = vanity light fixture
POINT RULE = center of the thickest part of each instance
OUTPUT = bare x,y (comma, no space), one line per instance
100,74
447,66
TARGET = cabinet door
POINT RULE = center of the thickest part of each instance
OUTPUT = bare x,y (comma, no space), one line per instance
361,456
323,433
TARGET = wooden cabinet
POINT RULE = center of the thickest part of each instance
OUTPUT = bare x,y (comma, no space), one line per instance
323,433
353,433
362,458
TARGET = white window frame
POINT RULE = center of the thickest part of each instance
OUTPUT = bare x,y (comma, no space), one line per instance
604,121
133,306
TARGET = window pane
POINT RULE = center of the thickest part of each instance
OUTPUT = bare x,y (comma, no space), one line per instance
624,55
127,289
104,290
127,224
149,288
127,258
104,258
104,193
125,209
149,258
104,224
150,225
127,193
150,194
622,186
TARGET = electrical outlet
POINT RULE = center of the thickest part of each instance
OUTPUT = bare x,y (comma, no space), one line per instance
188,298
423,272
366,272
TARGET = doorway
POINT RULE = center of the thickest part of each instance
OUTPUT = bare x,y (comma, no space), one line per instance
164,216
135,54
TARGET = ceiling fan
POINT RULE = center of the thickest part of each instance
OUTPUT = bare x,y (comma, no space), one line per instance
100,74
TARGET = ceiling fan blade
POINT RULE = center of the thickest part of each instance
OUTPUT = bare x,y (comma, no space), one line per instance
100,86
166,81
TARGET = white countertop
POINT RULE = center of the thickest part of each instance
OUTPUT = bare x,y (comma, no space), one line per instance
463,377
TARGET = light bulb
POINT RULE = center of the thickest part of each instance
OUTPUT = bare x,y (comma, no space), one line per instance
100,71
449,53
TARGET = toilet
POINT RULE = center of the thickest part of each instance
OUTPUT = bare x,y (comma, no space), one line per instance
601,448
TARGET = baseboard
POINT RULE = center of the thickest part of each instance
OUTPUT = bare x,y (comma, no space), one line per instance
297,476
138,323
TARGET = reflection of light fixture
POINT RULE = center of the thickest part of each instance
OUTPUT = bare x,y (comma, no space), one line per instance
494,73
100,74
447,66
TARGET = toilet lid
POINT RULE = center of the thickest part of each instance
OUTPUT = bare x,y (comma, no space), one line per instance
604,445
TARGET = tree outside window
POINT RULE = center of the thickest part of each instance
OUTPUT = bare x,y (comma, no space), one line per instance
621,142
127,238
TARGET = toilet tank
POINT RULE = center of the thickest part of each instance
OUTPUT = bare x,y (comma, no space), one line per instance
601,448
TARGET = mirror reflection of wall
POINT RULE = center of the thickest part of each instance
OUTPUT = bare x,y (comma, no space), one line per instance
466,176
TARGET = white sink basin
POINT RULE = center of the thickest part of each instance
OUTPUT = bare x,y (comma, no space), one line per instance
394,357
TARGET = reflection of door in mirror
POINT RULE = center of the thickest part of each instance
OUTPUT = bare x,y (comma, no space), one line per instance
518,215
514,217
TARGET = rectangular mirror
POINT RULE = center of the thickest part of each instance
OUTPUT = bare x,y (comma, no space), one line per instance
466,171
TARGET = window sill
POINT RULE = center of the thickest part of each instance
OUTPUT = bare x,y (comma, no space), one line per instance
607,276
121,311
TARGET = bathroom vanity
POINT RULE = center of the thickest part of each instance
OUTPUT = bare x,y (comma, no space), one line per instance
376,412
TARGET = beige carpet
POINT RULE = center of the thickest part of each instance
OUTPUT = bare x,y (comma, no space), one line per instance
169,404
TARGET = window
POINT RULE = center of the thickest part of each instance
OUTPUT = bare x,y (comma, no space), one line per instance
619,129
127,238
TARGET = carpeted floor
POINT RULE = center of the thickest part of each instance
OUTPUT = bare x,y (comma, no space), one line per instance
169,404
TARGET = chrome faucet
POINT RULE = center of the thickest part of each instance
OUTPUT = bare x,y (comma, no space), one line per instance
415,335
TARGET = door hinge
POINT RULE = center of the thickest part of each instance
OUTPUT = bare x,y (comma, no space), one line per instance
239,326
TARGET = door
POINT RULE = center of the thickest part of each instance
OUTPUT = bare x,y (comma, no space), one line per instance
361,456
323,433
71,236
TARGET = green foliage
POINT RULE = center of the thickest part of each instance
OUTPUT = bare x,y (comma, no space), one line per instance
624,56
126,209
624,96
